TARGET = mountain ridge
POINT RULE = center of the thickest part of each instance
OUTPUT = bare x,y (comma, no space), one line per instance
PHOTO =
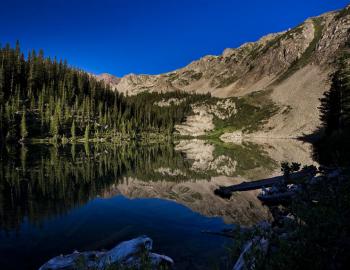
300,36
294,65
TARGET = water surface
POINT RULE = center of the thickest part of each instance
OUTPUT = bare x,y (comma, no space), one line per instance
54,200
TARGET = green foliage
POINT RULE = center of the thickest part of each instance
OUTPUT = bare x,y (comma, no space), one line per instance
226,81
164,118
54,125
24,132
253,111
55,94
252,115
73,131
87,133
252,160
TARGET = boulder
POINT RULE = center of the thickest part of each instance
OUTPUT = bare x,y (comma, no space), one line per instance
129,254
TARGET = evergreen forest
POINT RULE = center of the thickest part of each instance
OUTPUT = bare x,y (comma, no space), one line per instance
46,99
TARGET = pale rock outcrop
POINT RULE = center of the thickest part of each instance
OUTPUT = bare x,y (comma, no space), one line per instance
197,124
201,121
126,254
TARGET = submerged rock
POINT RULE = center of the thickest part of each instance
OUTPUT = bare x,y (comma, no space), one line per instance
134,253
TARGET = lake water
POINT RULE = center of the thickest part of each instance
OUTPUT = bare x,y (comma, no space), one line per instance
54,200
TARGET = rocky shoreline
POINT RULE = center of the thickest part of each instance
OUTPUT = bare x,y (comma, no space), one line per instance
133,254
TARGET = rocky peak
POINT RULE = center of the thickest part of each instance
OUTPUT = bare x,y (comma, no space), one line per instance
254,65
108,78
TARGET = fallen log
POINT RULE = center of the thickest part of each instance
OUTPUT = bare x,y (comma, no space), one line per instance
278,198
125,255
226,192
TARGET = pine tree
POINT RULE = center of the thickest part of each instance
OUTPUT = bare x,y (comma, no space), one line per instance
54,125
24,132
345,96
2,135
335,105
87,133
73,151
330,108
23,157
72,131
1,83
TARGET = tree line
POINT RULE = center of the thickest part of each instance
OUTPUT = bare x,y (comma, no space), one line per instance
42,97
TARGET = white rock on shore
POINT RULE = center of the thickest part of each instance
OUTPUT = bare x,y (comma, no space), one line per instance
125,254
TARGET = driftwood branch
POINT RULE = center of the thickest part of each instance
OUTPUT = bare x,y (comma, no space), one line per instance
226,192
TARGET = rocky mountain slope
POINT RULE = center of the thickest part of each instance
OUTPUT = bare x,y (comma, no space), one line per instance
293,65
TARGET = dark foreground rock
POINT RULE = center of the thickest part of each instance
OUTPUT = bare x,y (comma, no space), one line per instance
135,254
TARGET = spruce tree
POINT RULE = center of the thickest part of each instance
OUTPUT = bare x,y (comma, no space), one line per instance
54,125
330,108
335,104
72,131
24,132
1,83
87,133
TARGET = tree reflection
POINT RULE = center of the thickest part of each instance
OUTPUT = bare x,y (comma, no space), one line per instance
39,182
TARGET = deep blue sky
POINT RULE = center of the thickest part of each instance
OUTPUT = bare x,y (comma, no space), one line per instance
149,36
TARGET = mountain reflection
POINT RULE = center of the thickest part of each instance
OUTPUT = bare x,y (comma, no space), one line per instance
38,182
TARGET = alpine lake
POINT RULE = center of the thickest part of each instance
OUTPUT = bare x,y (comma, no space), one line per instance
57,199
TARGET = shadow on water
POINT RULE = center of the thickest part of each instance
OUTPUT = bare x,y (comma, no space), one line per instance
330,150
57,199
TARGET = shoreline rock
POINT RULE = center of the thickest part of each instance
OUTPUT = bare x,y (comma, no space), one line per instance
132,253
